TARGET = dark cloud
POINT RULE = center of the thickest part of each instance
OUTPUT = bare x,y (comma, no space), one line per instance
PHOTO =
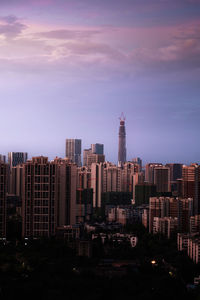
9,19
10,26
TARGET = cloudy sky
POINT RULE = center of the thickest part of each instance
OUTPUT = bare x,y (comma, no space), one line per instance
68,68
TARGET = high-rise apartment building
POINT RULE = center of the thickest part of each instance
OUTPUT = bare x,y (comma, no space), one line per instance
162,179
175,175
16,181
83,178
149,171
171,207
191,184
128,171
95,158
3,191
122,142
86,152
105,177
39,201
175,171
96,183
167,226
73,150
67,179
15,159
49,196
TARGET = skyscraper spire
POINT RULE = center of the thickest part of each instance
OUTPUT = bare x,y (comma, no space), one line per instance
122,141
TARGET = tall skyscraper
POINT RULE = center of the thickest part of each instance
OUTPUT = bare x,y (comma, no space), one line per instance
122,141
73,150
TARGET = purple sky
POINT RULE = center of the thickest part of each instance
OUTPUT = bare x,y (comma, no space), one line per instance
68,68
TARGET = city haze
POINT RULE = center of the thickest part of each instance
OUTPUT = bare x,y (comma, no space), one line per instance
68,70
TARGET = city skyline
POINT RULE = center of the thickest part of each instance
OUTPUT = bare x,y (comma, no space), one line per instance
70,68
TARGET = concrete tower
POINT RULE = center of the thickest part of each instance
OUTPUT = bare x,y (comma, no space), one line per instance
122,141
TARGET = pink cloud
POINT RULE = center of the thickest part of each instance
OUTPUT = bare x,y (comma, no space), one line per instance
67,34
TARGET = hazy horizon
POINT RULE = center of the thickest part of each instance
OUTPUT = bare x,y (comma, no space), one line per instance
69,68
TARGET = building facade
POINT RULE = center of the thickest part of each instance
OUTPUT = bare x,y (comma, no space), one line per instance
3,191
49,196
73,150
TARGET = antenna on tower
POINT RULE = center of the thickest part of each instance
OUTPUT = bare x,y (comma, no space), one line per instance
122,117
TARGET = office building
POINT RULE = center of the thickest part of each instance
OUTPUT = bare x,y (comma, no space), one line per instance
73,150
97,148
17,158
137,160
